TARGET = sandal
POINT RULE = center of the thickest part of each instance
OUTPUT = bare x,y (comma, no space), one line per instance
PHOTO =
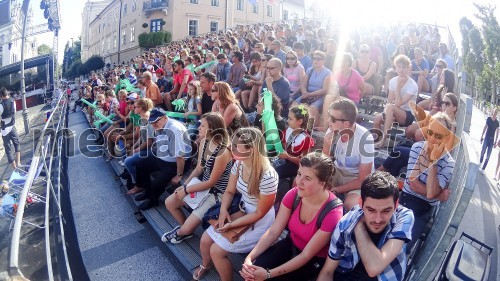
200,272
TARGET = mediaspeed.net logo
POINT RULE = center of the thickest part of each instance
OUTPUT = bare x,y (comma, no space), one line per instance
439,139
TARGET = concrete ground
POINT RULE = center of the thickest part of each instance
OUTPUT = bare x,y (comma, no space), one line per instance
482,218
114,245
32,246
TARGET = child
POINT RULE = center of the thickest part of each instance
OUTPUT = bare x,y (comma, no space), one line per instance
298,141
193,106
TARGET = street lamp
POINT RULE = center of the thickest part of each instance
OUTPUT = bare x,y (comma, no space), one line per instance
25,7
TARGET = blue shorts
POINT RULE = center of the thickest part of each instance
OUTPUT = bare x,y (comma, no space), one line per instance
317,104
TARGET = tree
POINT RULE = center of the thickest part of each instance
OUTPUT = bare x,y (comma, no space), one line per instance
44,49
42,69
94,63
490,34
154,39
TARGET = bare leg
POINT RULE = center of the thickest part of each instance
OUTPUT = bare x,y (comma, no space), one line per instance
252,98
221,262
189,226
244,95
167,101
206,243
174,205
314,113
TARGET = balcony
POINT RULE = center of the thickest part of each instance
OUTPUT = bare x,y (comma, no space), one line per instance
154,5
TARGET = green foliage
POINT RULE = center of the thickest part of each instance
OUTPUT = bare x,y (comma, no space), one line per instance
44,49
94,63
154,39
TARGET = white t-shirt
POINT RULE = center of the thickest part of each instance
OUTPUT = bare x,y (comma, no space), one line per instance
409,89
358,150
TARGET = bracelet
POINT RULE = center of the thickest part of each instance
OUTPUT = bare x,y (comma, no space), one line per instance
268,273
185,189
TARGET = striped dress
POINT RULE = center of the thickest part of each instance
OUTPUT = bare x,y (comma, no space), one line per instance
268,185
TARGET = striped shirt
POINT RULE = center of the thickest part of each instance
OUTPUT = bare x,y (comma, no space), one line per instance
208,166
445,167
268,184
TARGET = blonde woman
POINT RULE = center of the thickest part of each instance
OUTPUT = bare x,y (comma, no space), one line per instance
226,104
255,179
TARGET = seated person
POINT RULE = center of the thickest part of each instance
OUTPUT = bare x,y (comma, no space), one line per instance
369,241
446,84
182,77
226,104
315,86
193,106
302,253
368,70
351,147
419,70
171,155
255,179
214,166
427,178
250,84
298,142
402,90
142,146
280,85
127,134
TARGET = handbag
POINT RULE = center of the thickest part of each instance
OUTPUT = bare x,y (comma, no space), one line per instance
233,234
193,199
310,100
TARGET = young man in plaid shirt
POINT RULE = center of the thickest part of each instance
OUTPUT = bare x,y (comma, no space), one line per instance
369,241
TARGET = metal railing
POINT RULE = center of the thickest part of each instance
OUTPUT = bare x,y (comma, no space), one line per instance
47,153
152,5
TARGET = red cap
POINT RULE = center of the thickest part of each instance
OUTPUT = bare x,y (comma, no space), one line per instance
159,71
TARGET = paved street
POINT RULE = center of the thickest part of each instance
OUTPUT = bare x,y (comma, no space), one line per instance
482,219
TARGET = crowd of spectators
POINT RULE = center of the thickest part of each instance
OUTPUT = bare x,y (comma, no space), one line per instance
215,83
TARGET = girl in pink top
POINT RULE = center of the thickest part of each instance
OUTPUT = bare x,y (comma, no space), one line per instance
302,253
294,72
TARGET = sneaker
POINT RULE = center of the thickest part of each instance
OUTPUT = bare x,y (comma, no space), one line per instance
169,235
176,239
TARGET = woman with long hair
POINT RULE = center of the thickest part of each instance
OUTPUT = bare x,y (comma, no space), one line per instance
211,173
226,104
255,179
294,72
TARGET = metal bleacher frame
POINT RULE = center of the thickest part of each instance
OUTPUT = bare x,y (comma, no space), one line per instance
449,214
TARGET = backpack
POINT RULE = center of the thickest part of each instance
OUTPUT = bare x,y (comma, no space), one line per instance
324,211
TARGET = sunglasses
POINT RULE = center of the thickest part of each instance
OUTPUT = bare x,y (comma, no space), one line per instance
439,66
436,135
130,103
333,119
270,67
214,90
317,58
291,58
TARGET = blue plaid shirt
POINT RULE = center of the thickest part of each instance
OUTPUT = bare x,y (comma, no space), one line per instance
343,244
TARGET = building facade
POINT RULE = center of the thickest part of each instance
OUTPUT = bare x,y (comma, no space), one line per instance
91,10
113,33
10,33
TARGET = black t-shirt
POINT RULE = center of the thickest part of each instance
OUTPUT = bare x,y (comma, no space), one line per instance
492,127
206,103
359,272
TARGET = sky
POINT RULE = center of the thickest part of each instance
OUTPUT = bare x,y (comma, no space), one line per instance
442,12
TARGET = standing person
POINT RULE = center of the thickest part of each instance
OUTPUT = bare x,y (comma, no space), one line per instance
238,69
490,138
255,179
9,132
369,241
304,210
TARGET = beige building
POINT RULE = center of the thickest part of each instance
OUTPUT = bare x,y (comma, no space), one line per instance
91,10
113,33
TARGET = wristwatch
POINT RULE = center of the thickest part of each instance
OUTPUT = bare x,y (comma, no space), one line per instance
268,273
180,175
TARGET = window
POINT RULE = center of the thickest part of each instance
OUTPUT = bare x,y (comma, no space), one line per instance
134,5
109,44
193,27
255,8
214,26
193,1
124,9
239,5
215,3
132,34
114,40
285,15
156,25
269,10
124,35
